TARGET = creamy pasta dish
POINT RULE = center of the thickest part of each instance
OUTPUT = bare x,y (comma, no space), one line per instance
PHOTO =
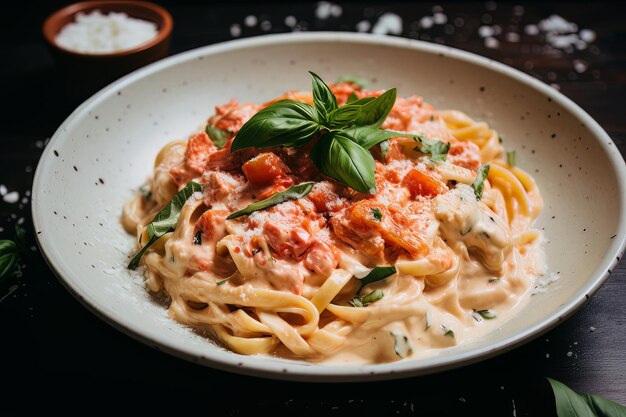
341,225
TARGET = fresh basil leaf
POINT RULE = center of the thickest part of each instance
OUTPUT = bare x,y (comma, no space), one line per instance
336,156
20,239
379,273
479,183
8,256
292,193
222,282
374,113
346,115
384,148
437,149
377,214
487,314
353,79
323,97
510,158
352,98
284,123
359,301
401,344
571,404
7,260
218,136
367,136
166,219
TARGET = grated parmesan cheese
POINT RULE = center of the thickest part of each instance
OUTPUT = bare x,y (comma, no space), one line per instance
98,33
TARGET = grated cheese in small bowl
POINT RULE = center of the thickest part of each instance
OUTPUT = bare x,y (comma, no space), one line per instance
98,33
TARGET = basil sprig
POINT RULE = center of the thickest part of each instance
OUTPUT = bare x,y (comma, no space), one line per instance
344,133
218,136
437,149
479,182
166,219
379,273
10,252
572,404
511,158
359,301
292,193
401,344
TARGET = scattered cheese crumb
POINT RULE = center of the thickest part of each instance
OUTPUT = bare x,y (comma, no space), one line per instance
531,30
326,9
11,197
593,329
569,354
491,43
235,30
426,22
440,18
3,189
250,21
363,26
388,23
290,21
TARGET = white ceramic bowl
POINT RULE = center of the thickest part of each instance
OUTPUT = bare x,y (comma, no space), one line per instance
106,148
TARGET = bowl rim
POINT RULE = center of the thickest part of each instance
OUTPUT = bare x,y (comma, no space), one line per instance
165,29
285,370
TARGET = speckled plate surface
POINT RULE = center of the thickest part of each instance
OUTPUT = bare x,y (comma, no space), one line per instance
106,148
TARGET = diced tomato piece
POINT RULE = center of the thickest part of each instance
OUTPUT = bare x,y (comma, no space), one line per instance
394,227
199,147
420,183
223,160
464,154
325,197
279,185
211,224
322,258
263,168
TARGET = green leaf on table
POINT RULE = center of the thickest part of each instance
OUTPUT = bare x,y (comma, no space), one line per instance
284,123
572,404
166,219
292,193
218,136
8,257
338,157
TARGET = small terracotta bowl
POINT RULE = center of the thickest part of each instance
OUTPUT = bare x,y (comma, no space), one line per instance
87,72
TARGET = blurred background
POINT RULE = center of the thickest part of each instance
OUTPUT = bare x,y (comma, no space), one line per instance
52,345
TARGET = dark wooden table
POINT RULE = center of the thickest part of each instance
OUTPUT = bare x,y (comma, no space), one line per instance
52,347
